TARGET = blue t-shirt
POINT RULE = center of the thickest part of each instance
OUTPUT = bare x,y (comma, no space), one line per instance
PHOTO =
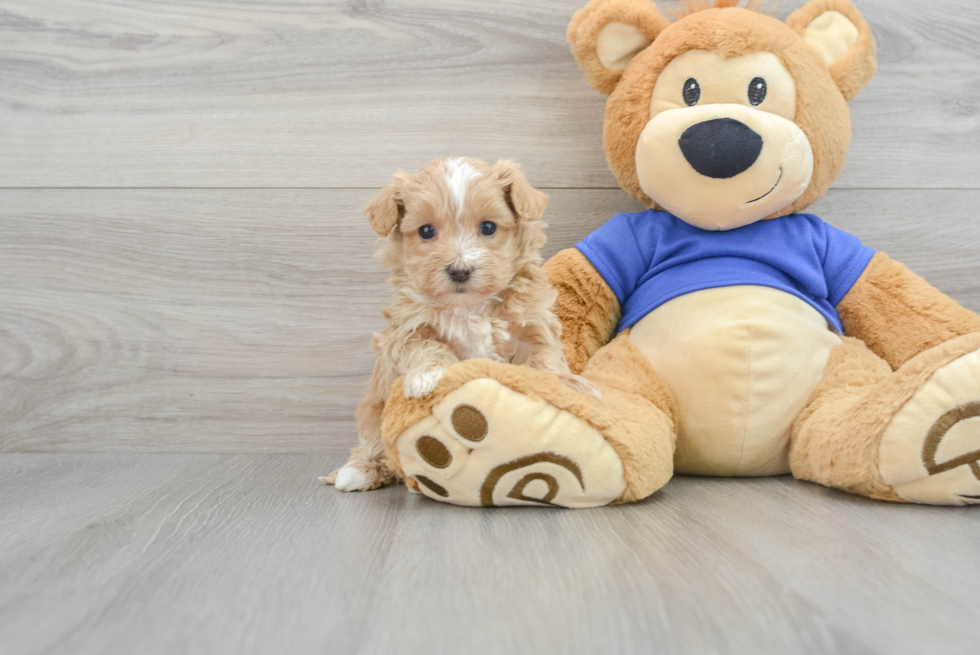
651,257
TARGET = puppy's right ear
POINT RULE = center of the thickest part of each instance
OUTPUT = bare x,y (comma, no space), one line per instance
606,34
387,208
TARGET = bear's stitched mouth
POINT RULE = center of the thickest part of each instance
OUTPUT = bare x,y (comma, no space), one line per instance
770,190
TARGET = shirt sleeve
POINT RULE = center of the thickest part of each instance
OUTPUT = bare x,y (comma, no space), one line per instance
614,252
845,259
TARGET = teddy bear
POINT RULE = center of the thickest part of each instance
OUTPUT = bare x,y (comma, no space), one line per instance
730,332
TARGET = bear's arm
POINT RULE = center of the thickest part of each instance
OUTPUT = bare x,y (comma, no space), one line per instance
586,306
899,315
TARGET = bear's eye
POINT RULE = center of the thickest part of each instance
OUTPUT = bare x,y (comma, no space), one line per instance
692,92
427,231
757,91
487,228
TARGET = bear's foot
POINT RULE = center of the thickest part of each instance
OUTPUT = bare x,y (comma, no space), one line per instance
930,451
477,441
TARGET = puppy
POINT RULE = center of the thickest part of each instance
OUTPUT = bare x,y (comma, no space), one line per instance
462,240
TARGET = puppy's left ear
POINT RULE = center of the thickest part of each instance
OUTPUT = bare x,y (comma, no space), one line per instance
836,30
525,202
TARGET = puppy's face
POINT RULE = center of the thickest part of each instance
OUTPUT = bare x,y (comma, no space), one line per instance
461,229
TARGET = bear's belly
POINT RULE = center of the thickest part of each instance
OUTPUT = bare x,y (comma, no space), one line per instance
742,362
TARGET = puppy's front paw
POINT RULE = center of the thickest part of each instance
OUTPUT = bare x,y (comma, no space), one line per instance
581,385
421,382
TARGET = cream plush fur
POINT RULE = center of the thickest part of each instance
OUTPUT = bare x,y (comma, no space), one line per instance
726,381
723,352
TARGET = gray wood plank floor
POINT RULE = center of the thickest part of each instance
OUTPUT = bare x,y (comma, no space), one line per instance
186,297
195,553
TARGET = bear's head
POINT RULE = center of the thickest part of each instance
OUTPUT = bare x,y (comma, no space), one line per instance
726,116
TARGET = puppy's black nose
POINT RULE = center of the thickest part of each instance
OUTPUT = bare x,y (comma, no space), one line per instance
459,274
721,148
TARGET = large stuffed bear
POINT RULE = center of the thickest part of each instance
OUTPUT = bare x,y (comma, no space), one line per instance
730,334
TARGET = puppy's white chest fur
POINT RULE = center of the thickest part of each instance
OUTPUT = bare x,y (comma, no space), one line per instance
473,333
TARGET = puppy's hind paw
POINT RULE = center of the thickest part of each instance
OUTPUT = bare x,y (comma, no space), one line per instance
359,477
421,383
351,478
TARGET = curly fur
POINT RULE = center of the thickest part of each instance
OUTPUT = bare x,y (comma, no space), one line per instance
503,312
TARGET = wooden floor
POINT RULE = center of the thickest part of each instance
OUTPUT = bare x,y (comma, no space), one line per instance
214,553
187,291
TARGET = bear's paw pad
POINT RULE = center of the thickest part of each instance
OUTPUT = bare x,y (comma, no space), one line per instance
930,452
488,445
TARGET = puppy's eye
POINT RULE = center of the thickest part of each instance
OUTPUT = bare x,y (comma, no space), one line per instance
487,228
427,231
757,91
692,92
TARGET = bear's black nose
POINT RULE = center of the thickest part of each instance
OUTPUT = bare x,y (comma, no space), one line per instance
721,148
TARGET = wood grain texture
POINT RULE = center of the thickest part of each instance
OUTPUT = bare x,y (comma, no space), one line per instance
240,321
206,93
225,325
242,554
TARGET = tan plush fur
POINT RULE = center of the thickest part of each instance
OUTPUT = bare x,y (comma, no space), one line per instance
583,34
899,315
586,306
853,71
822,111
635,415
689,7
501,311
901,332
902,322
836,439
642,416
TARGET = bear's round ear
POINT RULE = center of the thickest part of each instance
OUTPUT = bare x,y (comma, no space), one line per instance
838,33
606,34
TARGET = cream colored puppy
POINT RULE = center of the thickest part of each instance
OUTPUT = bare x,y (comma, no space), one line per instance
462,240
